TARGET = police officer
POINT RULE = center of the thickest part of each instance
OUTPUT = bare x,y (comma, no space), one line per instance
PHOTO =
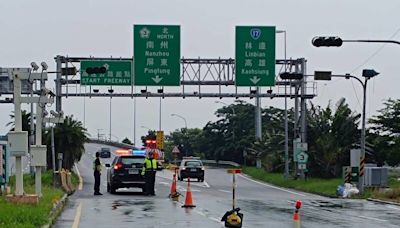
97,174
149,172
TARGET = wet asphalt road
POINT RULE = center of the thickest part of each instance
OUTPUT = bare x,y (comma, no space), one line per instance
263,205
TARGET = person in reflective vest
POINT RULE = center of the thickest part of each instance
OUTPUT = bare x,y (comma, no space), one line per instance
97,174
150,167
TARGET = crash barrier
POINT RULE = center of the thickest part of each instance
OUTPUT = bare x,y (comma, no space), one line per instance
296,215
216,163
66,183
112,143
233,218
189,197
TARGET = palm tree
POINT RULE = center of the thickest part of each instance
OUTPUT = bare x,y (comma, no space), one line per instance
26,120
69,139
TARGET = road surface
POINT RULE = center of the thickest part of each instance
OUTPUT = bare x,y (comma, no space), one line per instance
263,205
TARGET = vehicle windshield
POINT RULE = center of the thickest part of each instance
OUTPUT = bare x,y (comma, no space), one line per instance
193,163
129,161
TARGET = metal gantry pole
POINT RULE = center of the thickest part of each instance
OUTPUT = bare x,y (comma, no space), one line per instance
110,118
38,135
159,127
258,123
58,83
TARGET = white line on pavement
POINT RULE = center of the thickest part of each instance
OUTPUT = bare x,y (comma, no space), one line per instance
77,216
206,184
393,207
271,186
226,191
380,220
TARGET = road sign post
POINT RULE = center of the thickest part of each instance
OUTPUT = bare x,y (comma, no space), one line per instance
255,56
111,72
157,55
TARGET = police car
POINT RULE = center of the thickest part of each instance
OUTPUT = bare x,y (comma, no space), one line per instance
191,167
125,171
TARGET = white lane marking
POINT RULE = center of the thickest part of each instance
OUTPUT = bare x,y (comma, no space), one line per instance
226,191
206,184
271,186
80,186
77,216
393,207
379,220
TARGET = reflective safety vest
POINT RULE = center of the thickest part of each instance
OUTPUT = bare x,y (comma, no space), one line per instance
98,168
149,165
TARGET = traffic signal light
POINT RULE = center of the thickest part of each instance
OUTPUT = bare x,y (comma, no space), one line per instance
96,70
327,41
288,75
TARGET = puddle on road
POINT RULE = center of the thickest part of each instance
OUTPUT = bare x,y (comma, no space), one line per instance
143,208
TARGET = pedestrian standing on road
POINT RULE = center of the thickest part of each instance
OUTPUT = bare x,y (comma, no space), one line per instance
97,174
149,172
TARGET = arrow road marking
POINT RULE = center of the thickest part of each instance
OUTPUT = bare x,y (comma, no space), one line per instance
254,80
157,79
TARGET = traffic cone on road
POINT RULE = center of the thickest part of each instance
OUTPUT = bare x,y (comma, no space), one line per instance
174,195
189,198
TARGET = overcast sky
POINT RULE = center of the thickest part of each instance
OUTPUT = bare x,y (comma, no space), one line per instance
40,30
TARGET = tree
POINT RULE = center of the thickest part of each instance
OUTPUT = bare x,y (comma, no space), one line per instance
385,134
69,138
26,121
127,141
331,135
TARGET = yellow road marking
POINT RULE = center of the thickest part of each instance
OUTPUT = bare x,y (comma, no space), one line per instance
77,216
80,187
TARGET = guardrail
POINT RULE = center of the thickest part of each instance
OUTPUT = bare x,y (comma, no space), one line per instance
112,143
215,163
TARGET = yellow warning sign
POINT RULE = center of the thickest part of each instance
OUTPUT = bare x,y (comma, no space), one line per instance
160,140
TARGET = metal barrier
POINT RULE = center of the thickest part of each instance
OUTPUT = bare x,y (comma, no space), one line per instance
112,143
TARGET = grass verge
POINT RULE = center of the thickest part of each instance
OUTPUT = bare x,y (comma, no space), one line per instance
325,187
21,215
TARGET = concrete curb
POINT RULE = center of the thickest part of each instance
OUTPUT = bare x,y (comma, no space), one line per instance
383,201
56,211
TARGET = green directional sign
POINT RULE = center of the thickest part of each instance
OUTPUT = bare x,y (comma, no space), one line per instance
255,56
112,72
157,55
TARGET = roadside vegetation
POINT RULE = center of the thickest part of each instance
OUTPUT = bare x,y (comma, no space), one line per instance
26,216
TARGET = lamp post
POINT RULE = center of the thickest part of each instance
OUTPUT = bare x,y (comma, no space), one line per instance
183,118
367,74
110,91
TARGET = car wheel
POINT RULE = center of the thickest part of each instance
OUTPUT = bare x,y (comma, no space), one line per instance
143,190
202,179
108,187
180,178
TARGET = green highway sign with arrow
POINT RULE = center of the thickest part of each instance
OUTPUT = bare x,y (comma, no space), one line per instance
110,72
255,56
157,55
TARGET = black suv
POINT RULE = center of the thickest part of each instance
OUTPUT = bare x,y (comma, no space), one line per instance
125,172
105,152
191,167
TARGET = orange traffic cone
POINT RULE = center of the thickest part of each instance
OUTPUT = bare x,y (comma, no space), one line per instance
189,199
174,195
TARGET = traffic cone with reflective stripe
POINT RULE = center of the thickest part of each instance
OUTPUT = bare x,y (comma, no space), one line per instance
174,195
189,199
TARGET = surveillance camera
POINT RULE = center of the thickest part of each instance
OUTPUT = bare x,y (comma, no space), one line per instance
53,113
46,91
44,66
61,113
34,66
45,113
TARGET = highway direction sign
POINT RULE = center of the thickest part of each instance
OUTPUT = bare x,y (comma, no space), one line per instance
112,72
157,55
302,157
255,56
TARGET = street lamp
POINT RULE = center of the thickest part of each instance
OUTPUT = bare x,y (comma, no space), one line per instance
367,74
173,114
335,41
